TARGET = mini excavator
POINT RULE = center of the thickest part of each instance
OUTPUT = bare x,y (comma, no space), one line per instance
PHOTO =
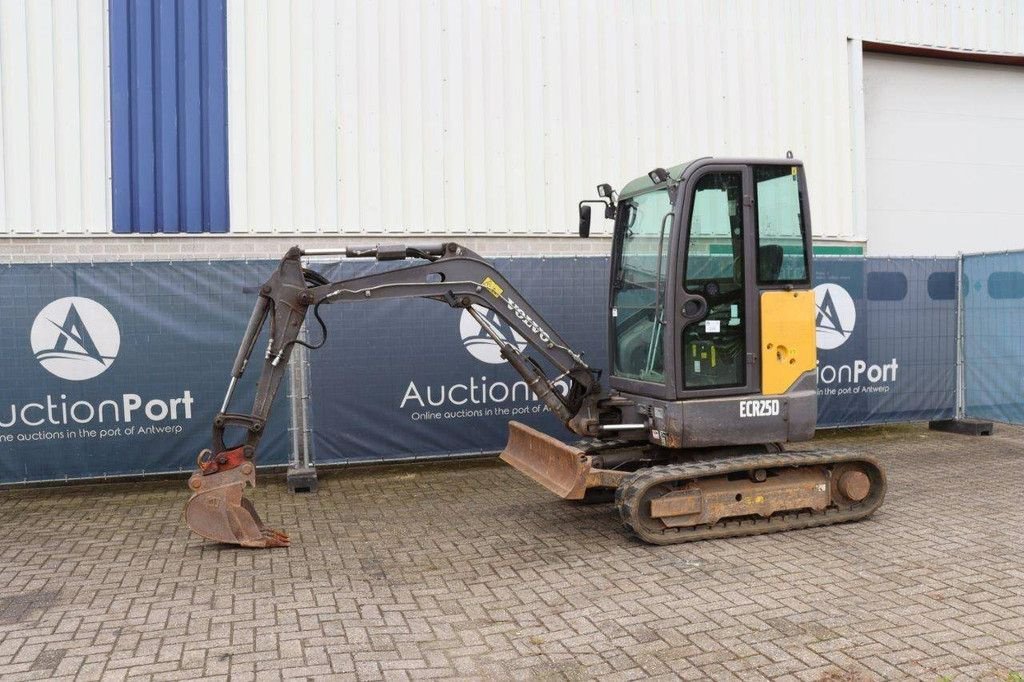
711,339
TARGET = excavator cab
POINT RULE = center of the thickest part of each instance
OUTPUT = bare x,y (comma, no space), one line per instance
711,305
711,339
712,347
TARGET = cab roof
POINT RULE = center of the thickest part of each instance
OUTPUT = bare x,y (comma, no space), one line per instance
680,171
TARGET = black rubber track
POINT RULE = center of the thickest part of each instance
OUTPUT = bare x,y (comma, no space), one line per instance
629,496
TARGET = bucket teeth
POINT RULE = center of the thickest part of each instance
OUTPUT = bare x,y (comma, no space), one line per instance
271,537
219,511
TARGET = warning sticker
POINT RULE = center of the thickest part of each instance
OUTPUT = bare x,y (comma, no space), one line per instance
492,287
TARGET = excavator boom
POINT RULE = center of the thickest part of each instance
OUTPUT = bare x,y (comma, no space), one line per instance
450,274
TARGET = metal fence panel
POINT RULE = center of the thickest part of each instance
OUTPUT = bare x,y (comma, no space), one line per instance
409,378
886,331
405,379
993,304
118,368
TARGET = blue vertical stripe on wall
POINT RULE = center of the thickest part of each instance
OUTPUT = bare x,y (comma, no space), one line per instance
168,111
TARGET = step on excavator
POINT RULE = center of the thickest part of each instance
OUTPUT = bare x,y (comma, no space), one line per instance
711,340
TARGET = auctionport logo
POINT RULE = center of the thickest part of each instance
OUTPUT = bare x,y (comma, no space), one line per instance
477,396
836,315
479,343
75,338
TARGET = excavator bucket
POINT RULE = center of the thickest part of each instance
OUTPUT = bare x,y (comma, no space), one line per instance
218,510
561,468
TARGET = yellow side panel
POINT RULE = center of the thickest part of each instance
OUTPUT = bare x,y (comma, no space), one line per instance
788,346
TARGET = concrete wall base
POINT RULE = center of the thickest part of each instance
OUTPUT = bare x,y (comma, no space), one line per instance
161,247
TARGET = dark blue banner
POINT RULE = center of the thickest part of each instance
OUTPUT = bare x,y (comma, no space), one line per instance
403,379
408,378
119,368
994,336
886,330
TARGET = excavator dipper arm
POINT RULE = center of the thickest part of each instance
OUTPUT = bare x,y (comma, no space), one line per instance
451,274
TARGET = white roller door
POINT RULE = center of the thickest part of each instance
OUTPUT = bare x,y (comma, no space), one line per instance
945,156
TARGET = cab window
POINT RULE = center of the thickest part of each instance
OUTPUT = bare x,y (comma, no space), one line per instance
781,249
639,288
714,348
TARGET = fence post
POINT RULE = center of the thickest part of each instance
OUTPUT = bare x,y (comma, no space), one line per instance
960,423
960,374
301,473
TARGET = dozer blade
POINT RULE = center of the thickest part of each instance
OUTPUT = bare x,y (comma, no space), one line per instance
561,468
218,510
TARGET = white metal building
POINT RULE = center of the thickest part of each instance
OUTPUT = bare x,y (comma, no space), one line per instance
491,119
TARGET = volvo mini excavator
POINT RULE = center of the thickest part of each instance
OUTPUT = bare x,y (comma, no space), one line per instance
711,340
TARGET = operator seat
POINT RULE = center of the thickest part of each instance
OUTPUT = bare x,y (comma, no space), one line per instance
769,263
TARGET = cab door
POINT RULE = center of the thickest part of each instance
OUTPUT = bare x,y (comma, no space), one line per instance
716,298
787,308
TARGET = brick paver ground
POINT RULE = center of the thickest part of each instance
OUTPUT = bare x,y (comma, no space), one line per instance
469,570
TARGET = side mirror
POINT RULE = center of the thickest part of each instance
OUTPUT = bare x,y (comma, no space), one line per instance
604,190
584,221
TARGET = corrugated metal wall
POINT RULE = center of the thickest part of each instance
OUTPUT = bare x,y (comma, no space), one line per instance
168,89
468,116
497,117
54,137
